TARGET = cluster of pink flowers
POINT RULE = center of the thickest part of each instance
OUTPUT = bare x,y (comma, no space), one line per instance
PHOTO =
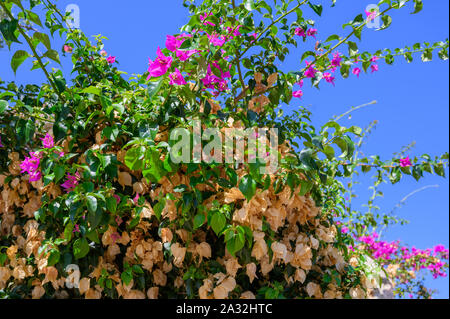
31,166
414,259
303,33
71,182
405,162
218,81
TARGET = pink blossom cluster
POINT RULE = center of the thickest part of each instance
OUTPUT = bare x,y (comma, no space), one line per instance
413,259
335,62
31,166
71,182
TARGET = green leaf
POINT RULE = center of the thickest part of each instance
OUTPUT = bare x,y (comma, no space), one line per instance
199,220
3,105
53,55
43,38
247,186
418,6
80,248
8,29
317,8
91,203
249,5
53,258
134,158
18,58
218,221
59,172
387,20
111,204
153,88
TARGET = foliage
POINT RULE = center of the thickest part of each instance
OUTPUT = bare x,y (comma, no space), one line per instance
87,177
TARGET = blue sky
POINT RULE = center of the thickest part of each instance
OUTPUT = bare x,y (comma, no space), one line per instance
413,99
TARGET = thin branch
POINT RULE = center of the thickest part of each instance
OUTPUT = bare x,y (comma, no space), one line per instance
35,54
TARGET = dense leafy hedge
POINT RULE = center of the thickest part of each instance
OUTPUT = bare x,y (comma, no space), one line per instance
87,181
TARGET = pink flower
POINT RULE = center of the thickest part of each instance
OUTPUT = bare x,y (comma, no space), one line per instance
119,221
31,166
217,40
136,199
61,154
76,229
312,32
297,94
336,60
185,55
204,16
371,15
117,197
405,162
310,72
374,67
71,182
48,141
356,71
1,145
176,78
344,230
160,66
300,32
172,43
328,77
111,59
300,83
115,237
254,35
103,53
374,59
68,48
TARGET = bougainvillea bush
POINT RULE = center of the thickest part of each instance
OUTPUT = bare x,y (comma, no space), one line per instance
93,205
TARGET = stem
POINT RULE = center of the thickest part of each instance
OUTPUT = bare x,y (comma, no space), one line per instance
38,58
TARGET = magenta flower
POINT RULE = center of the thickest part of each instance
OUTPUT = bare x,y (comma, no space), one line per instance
356,71
48,141
336,59
76,229
311,71
405,162
160,66
371,15
312,32
217,40
254,35
185,55
117,197
172,43
111,59
300,32
71,182
297,94
328,77
204,16
344,230
136,199
31,166
1,145
374,59
119,221
68,48
176,78
300,83
374,67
